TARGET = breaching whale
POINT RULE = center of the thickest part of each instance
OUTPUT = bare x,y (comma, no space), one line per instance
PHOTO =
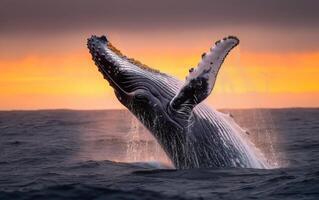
192,134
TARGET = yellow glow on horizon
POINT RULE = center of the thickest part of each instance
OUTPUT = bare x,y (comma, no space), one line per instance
72,80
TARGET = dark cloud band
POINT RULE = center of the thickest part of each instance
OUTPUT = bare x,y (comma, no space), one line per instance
39,15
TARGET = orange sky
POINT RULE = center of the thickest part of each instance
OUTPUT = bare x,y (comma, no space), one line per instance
44,62
69,79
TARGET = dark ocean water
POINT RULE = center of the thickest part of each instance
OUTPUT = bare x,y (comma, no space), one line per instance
108,155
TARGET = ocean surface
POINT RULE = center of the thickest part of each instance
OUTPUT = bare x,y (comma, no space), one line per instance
65,154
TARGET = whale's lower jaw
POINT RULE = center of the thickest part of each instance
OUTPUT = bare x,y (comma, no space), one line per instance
191,134
217,141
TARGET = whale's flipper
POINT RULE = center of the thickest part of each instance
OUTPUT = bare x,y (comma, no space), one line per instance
201,80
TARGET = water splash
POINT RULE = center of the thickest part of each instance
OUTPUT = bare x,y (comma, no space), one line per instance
262,137
142,147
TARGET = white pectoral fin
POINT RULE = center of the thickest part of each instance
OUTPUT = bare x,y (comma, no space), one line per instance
201,80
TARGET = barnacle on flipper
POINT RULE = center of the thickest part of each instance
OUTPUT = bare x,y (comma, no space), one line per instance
131,60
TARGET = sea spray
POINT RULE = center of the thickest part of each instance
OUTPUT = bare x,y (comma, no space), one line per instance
142,147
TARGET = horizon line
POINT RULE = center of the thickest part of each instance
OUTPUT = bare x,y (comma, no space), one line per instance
123,109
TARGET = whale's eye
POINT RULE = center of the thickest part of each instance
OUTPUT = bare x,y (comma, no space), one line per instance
141,97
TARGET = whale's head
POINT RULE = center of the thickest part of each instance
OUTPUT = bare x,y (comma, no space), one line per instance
152,95
144,91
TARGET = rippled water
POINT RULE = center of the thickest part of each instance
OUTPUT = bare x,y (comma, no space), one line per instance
108,155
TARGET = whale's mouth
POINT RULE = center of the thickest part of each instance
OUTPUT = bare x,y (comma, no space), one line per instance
118,69
97,47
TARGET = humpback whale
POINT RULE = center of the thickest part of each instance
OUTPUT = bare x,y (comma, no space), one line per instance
192,134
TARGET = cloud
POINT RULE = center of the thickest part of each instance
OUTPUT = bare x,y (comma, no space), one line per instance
40,15
42,26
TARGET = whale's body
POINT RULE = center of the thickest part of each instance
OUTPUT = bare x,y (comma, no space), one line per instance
191,133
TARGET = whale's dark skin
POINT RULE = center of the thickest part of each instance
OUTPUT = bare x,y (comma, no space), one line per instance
192,134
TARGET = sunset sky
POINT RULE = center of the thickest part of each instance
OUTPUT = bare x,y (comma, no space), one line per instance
44,62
